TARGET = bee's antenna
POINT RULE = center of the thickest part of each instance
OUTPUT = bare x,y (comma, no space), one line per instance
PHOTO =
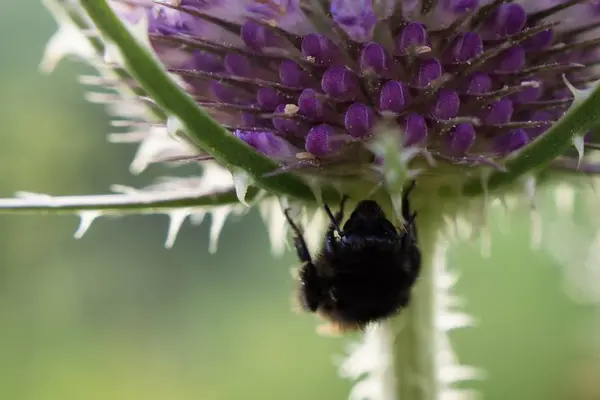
411,220
413,183
337,219
332,218
405,207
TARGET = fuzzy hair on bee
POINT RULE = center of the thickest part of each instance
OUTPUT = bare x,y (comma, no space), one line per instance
366,269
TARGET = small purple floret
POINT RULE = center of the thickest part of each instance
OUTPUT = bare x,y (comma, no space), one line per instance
429,71
355,17
500,112
539,41
320,141
465,47
319,50
531,93
267,143
207,62
511,141
224,93
414,35
313,105
415,129
340,83
268,98
394,97
447,104
512,60
544,116
508,19
359,120
292,75
288,126
374,59
257,36
479,83
460,6
236,64
462,138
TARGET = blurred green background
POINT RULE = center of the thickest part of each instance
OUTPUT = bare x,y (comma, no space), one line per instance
116,316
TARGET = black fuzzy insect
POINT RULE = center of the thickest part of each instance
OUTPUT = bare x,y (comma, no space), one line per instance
365,271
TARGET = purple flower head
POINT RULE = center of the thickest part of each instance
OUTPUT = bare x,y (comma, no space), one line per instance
457,78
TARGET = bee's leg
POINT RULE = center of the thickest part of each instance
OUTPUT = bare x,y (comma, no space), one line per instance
334,224
409,243
409,237
410,248
405,201
340,214
299,243
310,294
336,219
409,218
414,258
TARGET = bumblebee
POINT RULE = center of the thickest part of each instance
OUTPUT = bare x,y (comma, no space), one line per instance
366,269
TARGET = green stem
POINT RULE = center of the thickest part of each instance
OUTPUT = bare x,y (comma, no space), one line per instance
202,130
414,331
139,203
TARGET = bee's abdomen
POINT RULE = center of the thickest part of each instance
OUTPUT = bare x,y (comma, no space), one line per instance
367,289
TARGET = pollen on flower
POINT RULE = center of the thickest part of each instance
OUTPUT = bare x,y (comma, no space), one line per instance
291,109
